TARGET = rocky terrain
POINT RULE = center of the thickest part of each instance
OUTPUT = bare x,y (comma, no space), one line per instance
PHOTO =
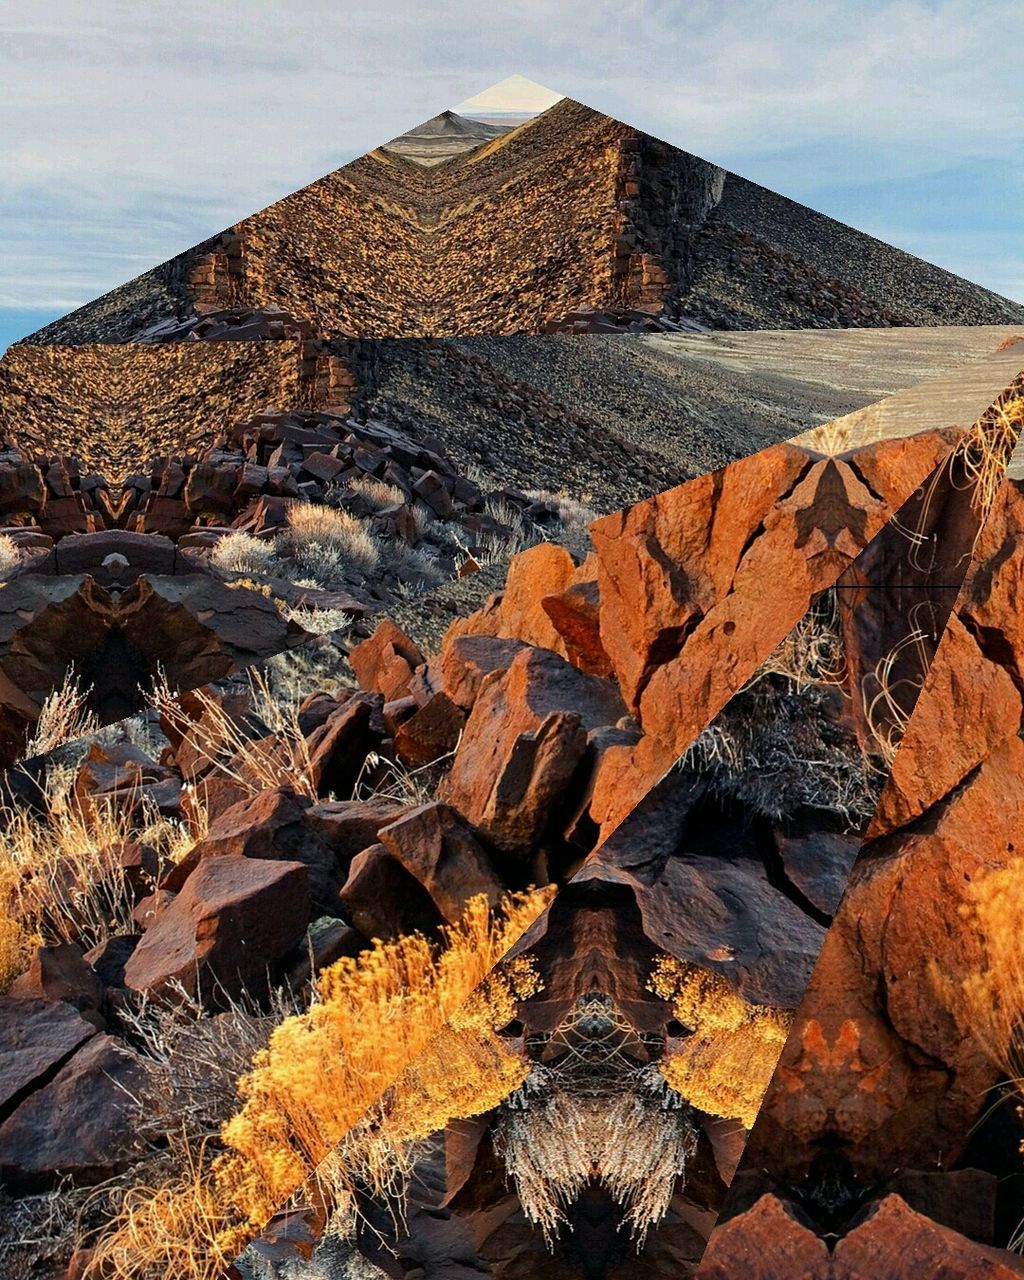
443,137
570,220
244,836
309,485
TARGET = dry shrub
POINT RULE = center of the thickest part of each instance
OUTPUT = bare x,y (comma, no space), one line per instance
370,1018
63,716
241,553
304,1100
60,877
378,493
327,536
726,1065
261,750
554,1142
10,556
994,911
813,652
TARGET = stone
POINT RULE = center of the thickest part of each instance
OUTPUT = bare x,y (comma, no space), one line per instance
466,659
523,741
234,919
433,844
383,900
384,662
98,1086
36,1036
430,732
61,973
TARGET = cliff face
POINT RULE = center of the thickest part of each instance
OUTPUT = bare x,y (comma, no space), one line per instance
573,211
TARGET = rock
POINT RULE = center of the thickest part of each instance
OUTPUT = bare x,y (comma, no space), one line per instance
899,1244
382,899
109,958
576,615
339,748
541,571
766,1243
98,1087
36,1036
273,824
348,827
233,920
466,659
433,844
327,940
139,552
430,732
384,662
61,973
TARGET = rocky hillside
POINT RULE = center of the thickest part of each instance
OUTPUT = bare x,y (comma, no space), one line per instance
568,214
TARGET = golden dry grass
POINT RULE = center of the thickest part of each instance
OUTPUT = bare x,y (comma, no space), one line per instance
318,1106
60,877
727,1063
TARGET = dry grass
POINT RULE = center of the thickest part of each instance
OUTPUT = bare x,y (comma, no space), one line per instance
813,653
326,535
304,1097
240,553
10,556
60,877
727,1063
261,750
64,715
888,702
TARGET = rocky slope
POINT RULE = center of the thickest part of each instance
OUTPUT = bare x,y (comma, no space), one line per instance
569,212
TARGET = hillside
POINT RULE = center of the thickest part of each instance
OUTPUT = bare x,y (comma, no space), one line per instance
572,211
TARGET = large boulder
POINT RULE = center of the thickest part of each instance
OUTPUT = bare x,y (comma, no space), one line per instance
36,1035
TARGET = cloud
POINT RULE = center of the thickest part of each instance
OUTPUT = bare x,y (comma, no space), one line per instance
129,132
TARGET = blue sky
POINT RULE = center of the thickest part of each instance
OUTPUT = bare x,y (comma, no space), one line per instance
129,132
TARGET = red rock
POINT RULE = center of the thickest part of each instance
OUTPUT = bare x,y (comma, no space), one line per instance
544,570
523,741
233,920
338,749
466,659
382,899
899,1244
433,844
348,827
82,1124
576,615
430,733
765,1243
384,662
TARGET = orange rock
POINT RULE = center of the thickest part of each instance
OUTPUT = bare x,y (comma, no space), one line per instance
385,662
765,1243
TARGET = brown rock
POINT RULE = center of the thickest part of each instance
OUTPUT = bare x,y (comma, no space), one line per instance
339,747
466,659
384,662
382,899
522,744
81,1124
576,615
35,1036
433,844
233,920
899,1244
765,1243
61,973
430,733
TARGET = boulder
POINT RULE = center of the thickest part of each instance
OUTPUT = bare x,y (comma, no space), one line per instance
384,662
766,1243
433,844
232,922
383,900
466,659
98,1088
432,731
36,1036
61,973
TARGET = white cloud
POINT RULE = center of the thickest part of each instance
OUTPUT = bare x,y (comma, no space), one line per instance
128,132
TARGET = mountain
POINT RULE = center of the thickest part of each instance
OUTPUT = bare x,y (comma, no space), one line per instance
442,137
530,232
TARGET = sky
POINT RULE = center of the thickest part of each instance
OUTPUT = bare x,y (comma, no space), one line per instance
129,132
